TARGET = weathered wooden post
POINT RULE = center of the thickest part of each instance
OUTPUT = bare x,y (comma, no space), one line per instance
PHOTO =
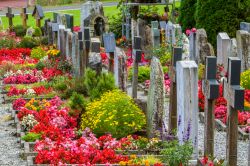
109,44
87,43
24,16
10,16
55,31
234,95
177,56
211,91
81,54
136,59
38,14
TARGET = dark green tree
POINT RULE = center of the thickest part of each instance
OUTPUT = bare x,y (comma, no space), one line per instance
187,14
218,16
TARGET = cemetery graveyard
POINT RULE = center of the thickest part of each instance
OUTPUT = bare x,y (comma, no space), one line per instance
151,94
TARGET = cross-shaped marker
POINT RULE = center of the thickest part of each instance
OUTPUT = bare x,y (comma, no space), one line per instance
234,95
24,16
10,16
210,88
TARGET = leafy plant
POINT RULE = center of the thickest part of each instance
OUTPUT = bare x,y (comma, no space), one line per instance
187,13
98,84
115,113
7,43
37,53
31,137
245,79
28,42
176,154
77,102
40,65
37,32
20,30
201,71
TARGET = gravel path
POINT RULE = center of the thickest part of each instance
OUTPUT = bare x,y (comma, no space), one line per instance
220,140
9,148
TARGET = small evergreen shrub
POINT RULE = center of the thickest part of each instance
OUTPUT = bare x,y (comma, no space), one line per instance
20,30
28,42
37,53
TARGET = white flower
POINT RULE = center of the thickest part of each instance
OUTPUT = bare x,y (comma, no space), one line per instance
30,92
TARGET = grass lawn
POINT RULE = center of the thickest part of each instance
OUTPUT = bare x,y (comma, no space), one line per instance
109,11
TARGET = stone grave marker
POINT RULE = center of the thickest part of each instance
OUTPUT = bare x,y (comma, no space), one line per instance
163,24
210,88
109,45
95,45
120,69
82,57
30,31
245,26
234,95
75,61
155,102
133,30
60,38
243,46
55,31
177,56
154,24
223,47
187,108
10,16
156,38
86,36
38,14
169,29
95,61
24,16
136,59
233,48
192,45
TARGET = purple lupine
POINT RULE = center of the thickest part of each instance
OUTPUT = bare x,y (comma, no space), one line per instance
187,136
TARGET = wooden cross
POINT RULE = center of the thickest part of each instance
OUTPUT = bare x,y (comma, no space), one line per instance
24,16
136,59
210,88
10,16
177,56
234,95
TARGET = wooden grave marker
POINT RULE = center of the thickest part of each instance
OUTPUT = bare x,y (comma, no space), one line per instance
38,14
10,16
24,16
210,88
234,95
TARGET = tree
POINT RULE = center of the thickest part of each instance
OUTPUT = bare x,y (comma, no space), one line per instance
187,13
218,16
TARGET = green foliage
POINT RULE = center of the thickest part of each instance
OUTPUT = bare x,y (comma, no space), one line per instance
175,154
215,17
40,65
65,66
201,71
31,137
37,32
7,43
44,41
245,79
20,30
28,42
37,53
77,102
98,84
143,73
187,14
115,24
114,113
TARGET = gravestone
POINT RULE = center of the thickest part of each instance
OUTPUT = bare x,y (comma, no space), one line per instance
30,31
163,24
155,34
187,108
69,21
169,32
10,16
243,44
61,19
177,56
192,46
155,102
210,88
74,55
120,69
233,48
177,35
109,45
245,26
60,37
62,42
141,32
24,16
38,14
133,30
55,31
50,33
95,45
69,45
86,36
95,61
234,95
223,47
201,43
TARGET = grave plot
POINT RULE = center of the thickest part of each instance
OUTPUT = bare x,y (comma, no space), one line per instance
155,96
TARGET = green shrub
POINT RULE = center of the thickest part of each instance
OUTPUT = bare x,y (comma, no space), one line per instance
201,71
77,102
187,14
31,137
114,113
37,53
215,17
44,41
98,84
37,32
65,66
28,42
20,30
176,154
40,65
245,79
115,24
7,43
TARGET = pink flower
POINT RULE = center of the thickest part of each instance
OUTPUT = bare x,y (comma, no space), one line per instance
188,31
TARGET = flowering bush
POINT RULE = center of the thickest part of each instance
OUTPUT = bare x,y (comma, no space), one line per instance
211,161
18,104
114,113
53,53
16,56
28,122
245,79
37,53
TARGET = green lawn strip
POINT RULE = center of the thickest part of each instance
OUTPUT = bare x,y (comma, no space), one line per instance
109,11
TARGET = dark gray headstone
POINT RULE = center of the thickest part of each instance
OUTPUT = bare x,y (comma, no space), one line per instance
177,55
211,67
137,55
86,34
137,42
69,21
95,45
80,37
234,70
